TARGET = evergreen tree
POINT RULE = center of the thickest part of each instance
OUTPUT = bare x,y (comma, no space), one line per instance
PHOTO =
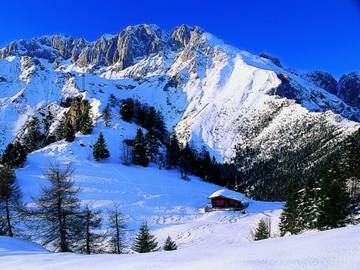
309,204
100,150
116,230
263,230
85,121
14,155
152,146
57,214
127,110
139,156
169,244
145,242
33,139
90,240
290,214
11,207
107,115
68,132
173,152
335,206
187,161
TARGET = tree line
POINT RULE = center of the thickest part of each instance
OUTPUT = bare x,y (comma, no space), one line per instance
58,220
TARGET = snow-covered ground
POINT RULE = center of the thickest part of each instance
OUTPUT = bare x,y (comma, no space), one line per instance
159,197
328,250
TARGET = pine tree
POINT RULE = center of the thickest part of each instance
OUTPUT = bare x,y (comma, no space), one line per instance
152,146
107,115
90,240
335,206
68,132
11,207
100,150
85,121
308,205
145,242
169,244
14,155
127,110
139,156
263,230
57,213
116,231
173,152
290,214
33,139
186,161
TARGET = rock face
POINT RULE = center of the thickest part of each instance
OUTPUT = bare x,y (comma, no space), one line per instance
324,80
349,89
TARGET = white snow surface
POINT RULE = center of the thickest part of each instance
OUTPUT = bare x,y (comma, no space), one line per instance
328,250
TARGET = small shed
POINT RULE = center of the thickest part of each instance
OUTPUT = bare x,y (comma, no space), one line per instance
227,199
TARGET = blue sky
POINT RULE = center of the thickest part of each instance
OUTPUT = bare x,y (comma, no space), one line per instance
304,34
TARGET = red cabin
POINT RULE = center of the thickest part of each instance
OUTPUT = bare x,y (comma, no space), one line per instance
227,199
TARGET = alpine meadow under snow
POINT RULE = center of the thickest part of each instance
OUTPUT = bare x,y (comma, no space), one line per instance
152,123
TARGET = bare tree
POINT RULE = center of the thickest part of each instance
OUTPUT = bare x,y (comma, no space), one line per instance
57,211
117,228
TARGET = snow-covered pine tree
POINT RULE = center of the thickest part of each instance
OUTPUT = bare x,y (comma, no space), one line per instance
152,146
308,204
139,156
169,244
263,230
91,239
173,152
145,242
290,214
57,213
33,138
106,114
116,231
14,155
100,150
11,207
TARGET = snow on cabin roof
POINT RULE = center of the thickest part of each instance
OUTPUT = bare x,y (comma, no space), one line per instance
228,194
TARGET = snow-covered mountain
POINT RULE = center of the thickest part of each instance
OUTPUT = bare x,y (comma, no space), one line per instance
211,93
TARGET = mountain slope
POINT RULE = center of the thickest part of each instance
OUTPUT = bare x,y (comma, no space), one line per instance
212,94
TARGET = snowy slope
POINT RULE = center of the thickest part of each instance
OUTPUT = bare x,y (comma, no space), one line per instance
331,250
159,197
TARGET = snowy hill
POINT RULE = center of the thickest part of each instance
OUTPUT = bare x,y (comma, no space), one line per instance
159,197
332,250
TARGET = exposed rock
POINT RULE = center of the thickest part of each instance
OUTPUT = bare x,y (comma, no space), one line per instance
349,89
274,60
324,80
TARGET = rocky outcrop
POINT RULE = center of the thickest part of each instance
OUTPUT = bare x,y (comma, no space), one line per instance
348,89
324,80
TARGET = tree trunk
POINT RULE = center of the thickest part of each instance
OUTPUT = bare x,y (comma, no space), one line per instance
8,218
117,234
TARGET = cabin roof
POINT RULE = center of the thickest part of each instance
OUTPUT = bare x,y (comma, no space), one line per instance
225,193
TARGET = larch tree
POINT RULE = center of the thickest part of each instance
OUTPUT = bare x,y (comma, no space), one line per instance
116,230
57,213
11,207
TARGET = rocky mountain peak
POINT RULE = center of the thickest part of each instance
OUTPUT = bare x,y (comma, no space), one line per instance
324,80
